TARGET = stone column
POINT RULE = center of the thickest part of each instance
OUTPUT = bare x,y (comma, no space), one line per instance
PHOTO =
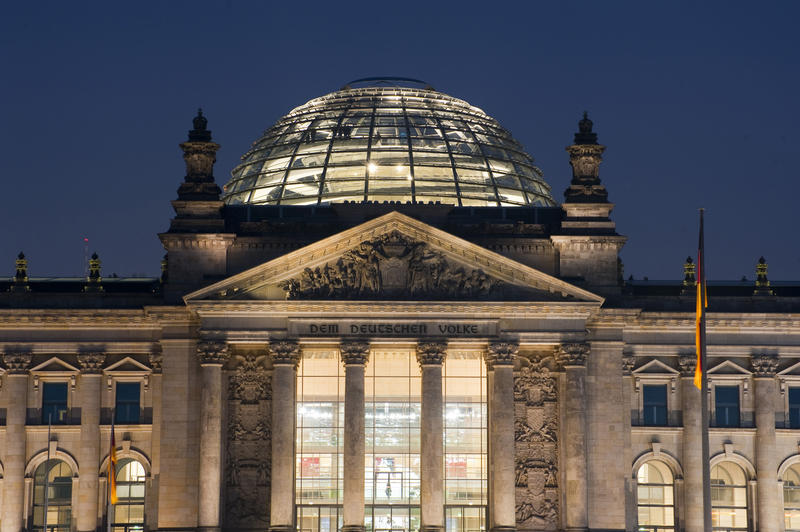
502,494
89,455
212,356
430,356
692,445
156,358
770,512
285,357
354,357
13,456
572,358
631,514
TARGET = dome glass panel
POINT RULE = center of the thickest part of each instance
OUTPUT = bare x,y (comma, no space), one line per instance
387,143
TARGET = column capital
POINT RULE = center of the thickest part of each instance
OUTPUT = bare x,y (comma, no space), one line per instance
91,363
764,365
286,352
572,354
156,358
212,352
628,361
354,352
17,363
687,364
501,354
431,353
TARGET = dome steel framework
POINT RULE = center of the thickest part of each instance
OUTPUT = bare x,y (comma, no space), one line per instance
387,143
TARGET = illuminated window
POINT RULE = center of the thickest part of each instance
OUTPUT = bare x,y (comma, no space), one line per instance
726,400
654,402
791,498
728,497
59,496
54,403
128,513
655,497
127,407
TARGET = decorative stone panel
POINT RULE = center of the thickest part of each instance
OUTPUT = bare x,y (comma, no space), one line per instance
431,353
91,363
354,352
17,363
536,435
212,352
764,365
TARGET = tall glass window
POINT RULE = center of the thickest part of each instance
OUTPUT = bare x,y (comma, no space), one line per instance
728,497
655,497
726,399
320,422
54,402
129,511
794,408
59,496
791,498
654,401
127,407
465,441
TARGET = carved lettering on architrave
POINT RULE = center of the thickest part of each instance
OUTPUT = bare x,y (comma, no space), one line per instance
536,435
391,265
247,462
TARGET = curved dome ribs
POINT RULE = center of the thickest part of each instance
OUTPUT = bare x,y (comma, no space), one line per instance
380,144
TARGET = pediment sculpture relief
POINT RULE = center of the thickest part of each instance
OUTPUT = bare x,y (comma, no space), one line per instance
392,265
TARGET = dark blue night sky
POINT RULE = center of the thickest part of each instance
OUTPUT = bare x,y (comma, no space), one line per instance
696,101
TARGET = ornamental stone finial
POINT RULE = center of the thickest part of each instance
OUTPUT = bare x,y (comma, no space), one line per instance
431,353
762,283
501,354
687,364
156,358
689,277
354,352
285,352
94,279
628,361
585,156
764,365
572,354
17,363
212,352
91,363
21,275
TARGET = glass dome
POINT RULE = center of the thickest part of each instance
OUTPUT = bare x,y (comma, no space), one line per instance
387,143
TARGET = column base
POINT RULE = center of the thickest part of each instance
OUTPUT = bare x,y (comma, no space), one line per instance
282,528
353,528
431,528
503,529
208,529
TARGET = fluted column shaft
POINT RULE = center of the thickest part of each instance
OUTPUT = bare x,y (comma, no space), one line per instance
89,455
285,357
430,356
572,358
502,500
692,446
770,512
354,357
13,456
212,356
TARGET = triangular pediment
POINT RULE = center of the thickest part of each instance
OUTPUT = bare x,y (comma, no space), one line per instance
393,257
729,368
55,364
655,367
127,364
791,371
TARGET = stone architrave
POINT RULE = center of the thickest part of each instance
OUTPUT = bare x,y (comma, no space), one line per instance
500,358
89,397
354,356
285,356
16,390
572,359
248,456
430,356
536,436
212,355
770,511
692,445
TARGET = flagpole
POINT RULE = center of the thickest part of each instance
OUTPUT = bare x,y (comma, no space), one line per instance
47,472
702,295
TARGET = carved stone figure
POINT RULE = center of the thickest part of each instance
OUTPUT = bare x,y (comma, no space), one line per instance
389,266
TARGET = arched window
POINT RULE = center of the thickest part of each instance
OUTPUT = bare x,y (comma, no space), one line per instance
59,496
728,497
791,498
129,510
655,497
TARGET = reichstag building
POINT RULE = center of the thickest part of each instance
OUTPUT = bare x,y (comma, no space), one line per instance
387,321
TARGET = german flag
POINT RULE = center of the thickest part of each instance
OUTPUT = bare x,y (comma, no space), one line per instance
700,314
112,469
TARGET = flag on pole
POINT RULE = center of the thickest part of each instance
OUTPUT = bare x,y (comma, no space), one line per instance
702,303
112,469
